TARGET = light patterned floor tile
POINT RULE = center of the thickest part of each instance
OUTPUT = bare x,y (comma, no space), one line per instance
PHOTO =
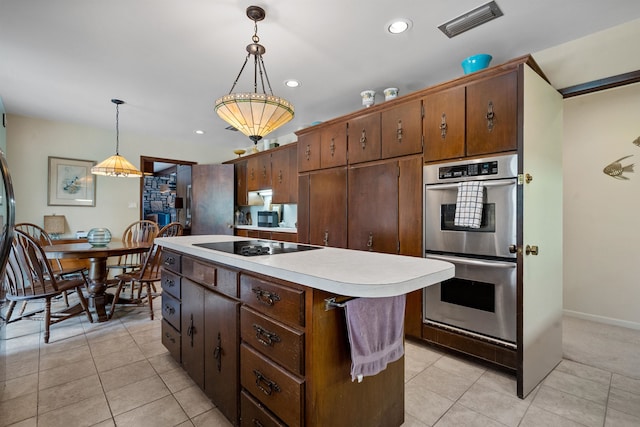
631,385
140,393
496,405
620,419
18,387
581,387
459,415
570,406
164,412
176,379
65,373
193,401
125,375
18,409
66,357
82,413
68,393
443,383
537,417
423,404
626,402
460,367
211,418
584,371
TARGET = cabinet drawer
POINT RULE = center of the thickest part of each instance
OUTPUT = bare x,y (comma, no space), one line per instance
211,276
277,389
280,302
253,414
171,261
279,342
171,310
171,283
171,340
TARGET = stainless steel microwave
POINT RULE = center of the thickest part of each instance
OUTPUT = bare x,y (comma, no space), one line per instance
267,219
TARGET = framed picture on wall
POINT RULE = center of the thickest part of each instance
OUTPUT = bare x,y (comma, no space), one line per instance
71,182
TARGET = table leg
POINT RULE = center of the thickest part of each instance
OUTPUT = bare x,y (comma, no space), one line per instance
97,287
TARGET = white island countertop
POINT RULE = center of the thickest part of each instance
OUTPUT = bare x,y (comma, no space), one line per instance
340,271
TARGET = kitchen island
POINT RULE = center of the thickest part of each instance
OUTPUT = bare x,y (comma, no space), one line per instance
256,333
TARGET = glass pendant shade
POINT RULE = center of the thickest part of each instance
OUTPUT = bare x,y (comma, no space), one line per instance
254,114
116,165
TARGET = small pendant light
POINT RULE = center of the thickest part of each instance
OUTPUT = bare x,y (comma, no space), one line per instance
116,165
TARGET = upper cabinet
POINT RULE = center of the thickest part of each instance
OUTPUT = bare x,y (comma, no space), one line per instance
323,149
259,172
309,152
473,119
402,130
284,175
364,142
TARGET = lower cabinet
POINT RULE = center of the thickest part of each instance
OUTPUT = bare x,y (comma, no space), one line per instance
267,352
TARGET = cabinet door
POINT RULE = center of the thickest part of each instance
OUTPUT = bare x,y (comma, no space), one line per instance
253,184
410,193
193,327
212,197
309,152
364,138
373,207
444,124
328,208
221,353
334,146
402,130
492,115
264,171
284,175
241,184
303,208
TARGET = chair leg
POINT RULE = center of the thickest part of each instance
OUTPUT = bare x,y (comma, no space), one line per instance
23,307
84,304
150,297
116,296
47,319
66,298
12,305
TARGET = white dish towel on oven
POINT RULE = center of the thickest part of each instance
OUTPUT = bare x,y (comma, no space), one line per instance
469,204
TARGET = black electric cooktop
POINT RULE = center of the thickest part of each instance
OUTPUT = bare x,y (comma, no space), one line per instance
256,247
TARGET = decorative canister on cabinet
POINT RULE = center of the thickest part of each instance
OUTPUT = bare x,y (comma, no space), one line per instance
99,236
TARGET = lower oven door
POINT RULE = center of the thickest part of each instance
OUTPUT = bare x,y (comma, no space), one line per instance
480,299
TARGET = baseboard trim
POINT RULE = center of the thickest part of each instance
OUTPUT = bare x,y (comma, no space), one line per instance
602,319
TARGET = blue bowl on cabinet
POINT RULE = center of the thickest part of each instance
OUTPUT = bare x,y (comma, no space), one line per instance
476,63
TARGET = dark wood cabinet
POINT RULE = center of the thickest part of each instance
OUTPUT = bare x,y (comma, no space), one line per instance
192,324
259,172
402,130
327,212
364,141
242,196
212,199
309,152
333,146
492,114
473,119
284,175
373,207
444,124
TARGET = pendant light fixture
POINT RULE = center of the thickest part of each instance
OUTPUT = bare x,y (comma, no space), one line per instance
252,113
116,165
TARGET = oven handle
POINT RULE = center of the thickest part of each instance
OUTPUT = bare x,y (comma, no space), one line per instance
496,183
472,261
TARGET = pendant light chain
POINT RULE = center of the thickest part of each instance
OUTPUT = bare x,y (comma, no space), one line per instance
117,129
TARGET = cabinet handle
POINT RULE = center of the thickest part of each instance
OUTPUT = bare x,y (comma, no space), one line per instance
170,283
217,353
264,172
363,139
370,242
531,250
191,330
307,152
252,174
266,338
280,176
326,238
490,116
399,131
169,337
266,297
169,261
169,310
256,423
332,147
443,126
269,386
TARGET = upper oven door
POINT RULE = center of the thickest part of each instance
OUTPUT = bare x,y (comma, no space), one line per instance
496,236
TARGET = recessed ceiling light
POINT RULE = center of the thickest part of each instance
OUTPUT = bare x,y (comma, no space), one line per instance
199,132
291,83
399,26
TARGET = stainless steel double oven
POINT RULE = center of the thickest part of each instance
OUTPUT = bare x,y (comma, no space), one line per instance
481,299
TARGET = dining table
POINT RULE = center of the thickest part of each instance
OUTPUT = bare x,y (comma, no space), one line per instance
98,275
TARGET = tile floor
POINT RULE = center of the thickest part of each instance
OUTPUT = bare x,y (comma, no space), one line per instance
118,373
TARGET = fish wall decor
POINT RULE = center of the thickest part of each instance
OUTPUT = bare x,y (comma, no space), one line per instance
616,170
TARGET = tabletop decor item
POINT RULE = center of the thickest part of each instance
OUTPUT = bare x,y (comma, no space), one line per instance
368,97
71,182
239,152
99,236
476,63
390,93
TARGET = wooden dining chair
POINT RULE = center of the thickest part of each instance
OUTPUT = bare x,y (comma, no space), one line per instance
140,231
172,229
145,277
42,237
29,277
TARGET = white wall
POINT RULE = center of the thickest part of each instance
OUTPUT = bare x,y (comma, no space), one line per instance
30,141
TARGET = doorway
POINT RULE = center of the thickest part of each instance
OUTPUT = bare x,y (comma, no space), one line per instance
164,191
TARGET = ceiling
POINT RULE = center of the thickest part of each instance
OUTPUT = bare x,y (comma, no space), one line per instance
169,60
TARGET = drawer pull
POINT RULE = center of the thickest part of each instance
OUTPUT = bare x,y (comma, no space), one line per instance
363,139
169,310
266,297
169,337
256,423
268,387
170,283
265,337
491,116
169,261
217,354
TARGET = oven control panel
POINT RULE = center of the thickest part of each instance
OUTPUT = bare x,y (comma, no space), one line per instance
468,170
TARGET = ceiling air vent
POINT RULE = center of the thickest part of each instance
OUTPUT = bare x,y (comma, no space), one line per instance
471,19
